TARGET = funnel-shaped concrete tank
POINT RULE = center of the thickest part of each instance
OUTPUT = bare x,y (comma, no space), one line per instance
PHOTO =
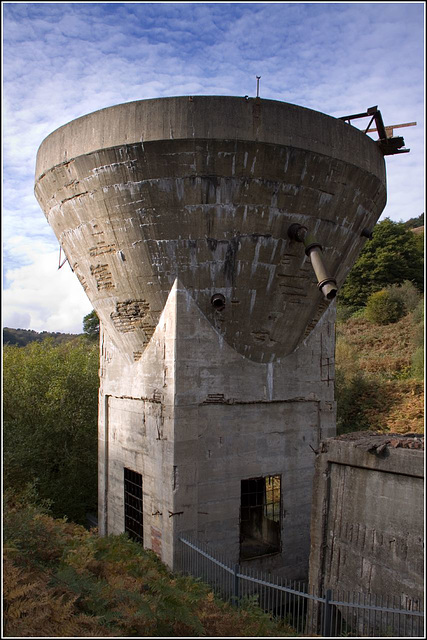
204,189
210,235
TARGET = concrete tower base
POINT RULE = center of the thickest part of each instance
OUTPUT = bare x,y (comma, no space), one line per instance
195,419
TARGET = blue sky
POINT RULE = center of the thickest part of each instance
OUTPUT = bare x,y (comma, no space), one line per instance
63,60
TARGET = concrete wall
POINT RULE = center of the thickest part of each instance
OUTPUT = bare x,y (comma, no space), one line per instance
195,418
367,530
136,431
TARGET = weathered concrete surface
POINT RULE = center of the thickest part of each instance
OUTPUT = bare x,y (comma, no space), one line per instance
367,528
205,190
159,205
195,418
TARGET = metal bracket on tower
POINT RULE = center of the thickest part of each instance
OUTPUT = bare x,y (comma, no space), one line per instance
61,264
388,144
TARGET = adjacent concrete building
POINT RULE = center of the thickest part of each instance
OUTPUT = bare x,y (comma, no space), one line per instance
367,530
217,343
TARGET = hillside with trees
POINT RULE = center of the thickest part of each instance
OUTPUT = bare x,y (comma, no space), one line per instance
379,368
415,223
22,337
379,353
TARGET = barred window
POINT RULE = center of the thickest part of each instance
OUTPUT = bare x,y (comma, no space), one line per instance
133,505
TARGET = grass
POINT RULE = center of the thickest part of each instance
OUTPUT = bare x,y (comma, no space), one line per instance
376,385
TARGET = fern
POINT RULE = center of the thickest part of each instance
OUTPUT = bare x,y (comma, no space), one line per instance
82,585
31,608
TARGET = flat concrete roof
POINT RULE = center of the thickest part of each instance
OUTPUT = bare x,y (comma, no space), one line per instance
373,440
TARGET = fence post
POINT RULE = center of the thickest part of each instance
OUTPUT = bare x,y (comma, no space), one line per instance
327,614
235,597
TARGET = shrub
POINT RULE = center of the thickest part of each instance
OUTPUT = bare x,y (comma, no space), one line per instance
417,360
407,293
384,308
418,313
353,389
353,396
345,311
359,313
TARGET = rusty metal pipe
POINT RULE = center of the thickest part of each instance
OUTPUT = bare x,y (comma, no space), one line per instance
313,249
327,285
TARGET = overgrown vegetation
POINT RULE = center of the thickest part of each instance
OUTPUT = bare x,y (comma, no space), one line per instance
380,370
62,580
50,411
380,334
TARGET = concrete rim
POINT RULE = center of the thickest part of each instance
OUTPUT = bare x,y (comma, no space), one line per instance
210,117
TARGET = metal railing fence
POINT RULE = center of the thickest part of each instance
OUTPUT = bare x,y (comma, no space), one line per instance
335,613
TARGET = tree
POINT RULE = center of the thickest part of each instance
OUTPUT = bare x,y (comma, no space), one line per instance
393,255
50,423
21,337
413,223
91,324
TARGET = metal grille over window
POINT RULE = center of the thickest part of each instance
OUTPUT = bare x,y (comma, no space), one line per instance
260,516
133,505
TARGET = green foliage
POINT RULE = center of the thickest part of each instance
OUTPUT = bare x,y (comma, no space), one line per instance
21,337
91,324
413,223
344,312
418,314
92,586
419,241
50,423
384,308
352,390
407,293
392,256
417,359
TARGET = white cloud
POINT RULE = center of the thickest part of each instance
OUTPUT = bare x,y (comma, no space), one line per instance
63,60
43,298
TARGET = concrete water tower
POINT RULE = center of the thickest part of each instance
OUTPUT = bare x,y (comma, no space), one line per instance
196,226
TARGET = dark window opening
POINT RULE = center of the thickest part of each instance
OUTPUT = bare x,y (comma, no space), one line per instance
260,516
133,505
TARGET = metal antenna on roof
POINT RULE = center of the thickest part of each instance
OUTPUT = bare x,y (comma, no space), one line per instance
258,78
